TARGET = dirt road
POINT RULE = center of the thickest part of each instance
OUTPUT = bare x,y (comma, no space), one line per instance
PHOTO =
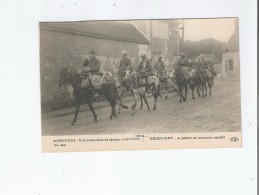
220,112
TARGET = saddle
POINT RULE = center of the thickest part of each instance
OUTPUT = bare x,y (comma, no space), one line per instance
85,83
85,75
206,73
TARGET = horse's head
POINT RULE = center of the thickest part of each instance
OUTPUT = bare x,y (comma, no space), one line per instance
64,77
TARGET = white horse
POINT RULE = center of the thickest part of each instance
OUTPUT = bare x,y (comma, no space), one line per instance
164,83
138,88
121,90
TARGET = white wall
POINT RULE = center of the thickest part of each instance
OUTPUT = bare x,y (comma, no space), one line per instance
226,73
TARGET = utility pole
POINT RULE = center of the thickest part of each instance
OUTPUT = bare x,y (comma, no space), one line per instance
183,32
182,42
151,37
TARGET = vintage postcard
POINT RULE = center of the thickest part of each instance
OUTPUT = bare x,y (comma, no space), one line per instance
140,84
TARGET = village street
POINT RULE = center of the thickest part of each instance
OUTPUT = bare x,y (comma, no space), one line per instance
220,112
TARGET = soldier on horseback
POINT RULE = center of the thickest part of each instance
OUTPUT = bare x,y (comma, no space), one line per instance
125,64
92,70
160,68
183,64
160,73
212,70
203,67
144,71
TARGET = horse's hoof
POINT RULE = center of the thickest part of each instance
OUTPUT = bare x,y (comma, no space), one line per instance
193,98
124,106
154,108
96,120
166,97
73,123
141,108
132,114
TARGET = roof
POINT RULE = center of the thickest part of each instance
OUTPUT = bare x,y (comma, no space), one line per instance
101,29
233,43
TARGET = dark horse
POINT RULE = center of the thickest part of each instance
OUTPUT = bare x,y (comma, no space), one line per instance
193,81
181,81
109,91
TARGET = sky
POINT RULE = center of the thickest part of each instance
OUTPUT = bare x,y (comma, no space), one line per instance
197,29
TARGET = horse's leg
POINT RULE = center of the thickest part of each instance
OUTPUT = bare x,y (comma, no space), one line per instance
161,87
176,88
135,101
205,85
193,87
198,91
185,91
155,102
166,89
141,101
120,100
210,86
78,104
145,99
112,100
181,92
113,105
89,102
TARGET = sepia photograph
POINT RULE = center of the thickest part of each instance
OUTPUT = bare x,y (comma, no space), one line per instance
129,97
141,78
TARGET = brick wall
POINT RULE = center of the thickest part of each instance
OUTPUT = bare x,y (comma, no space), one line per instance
59,50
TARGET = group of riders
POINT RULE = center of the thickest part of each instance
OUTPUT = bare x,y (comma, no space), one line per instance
145,70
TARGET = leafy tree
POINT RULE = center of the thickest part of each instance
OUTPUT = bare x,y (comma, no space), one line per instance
205,46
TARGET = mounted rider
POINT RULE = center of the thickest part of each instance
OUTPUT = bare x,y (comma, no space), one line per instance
183,64
92,70
203,67
125,64
160,69
144,71
211,68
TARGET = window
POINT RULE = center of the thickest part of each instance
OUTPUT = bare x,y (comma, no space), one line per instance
231,67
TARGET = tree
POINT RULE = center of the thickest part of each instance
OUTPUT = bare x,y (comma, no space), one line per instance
208,46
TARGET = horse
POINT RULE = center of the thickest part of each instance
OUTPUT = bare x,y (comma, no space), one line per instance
121,90
109,91
164,79
204,80
138,88
181,81
193,81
